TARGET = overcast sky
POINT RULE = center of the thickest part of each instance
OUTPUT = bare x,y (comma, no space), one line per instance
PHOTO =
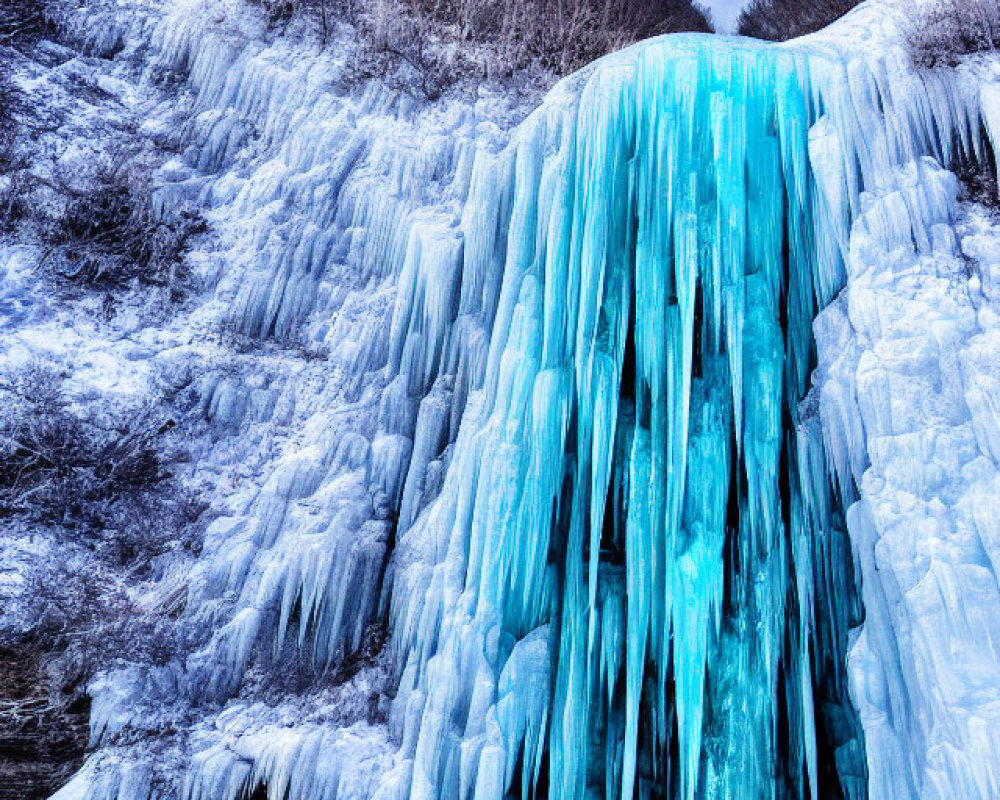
725,12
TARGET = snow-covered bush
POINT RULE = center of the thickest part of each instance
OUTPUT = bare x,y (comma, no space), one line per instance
403,45
92,209
323,11
944,32
562,35
428,45
779,20
107,232
101,470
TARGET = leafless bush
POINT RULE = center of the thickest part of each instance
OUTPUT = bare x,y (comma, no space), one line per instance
428,45
779,20
86,618
277,11
561,35
95,215
24,21
324,13
944,32
104,473
405,47
108,233
11,160
573,33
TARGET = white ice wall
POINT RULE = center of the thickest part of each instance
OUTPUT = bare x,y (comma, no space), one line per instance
907,380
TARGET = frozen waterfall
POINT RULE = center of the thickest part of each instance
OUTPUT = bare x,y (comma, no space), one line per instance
563,439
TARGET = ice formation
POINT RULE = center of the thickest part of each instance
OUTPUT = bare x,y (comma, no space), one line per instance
923,673
566,396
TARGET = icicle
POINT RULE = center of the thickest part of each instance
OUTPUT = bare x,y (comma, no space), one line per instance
675,225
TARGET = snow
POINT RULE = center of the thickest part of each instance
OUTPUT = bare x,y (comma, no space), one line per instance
410,349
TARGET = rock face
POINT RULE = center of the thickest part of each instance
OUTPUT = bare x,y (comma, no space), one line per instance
43,725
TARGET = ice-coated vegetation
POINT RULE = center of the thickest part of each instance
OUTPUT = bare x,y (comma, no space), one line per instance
942,33
432,45
646,450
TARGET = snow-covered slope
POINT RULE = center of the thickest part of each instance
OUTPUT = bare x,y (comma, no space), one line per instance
539,402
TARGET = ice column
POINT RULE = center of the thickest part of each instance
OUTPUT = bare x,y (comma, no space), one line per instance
638,475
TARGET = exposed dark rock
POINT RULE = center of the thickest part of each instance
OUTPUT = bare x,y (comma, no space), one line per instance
43,723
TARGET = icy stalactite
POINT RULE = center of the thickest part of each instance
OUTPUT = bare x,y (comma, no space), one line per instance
679,215
348,198
327,233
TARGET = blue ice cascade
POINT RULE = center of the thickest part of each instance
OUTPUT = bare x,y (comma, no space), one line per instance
636,580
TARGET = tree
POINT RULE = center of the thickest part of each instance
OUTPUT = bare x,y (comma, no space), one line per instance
946,31
779,20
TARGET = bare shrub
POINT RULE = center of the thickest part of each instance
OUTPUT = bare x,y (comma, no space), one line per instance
780,20
11,159
404,46
323,12
278,11
24,21
562,35
108,233
95,216
104,474
944,32
429,45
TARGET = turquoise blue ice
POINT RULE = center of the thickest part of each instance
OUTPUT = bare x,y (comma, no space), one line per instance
638,483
